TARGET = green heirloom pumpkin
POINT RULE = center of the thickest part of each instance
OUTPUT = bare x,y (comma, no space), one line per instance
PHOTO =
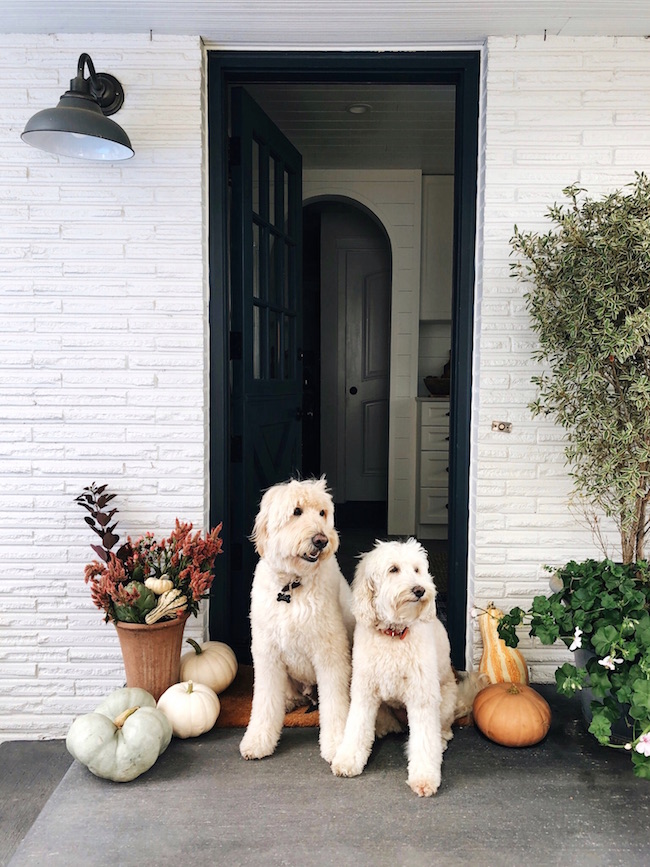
122,738
137,611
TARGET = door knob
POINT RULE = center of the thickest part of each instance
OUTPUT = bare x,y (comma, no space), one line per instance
353,390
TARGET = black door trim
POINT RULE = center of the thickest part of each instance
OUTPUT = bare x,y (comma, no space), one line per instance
461,68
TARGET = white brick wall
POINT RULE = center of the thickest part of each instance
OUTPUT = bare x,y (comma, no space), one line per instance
558,111
103,363
103,368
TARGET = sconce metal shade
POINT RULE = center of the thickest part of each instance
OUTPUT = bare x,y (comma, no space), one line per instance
79,126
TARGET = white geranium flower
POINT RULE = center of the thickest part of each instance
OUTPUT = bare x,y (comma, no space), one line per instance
609,663
577,641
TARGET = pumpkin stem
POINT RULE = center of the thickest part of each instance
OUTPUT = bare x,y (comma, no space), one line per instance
119,721
190,687
514,689
196,647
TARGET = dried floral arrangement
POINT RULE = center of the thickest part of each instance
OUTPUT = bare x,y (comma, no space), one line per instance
146,581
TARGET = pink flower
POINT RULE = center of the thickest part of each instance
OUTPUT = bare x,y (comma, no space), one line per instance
643,744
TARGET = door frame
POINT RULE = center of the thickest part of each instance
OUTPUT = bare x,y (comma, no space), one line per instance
461,68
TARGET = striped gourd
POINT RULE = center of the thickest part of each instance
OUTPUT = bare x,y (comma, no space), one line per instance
501,664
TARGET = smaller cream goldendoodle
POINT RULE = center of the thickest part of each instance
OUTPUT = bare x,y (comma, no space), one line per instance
400,656
301,621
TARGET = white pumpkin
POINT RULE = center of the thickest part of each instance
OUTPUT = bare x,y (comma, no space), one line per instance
212,663
191,708
159,585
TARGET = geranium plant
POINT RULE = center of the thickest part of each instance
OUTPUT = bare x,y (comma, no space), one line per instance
146,580
604,608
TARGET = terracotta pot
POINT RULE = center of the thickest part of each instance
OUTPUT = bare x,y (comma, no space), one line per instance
152,654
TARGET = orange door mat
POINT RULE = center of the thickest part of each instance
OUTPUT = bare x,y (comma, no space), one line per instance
236,704
237,699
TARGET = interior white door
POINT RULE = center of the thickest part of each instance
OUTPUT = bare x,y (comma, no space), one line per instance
364,279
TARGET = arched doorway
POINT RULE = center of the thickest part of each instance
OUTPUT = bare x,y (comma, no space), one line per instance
346,339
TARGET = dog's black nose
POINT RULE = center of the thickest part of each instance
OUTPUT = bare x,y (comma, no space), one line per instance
418,591
319,541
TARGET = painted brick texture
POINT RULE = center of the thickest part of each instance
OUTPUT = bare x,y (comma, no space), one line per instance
103,367
557,111
103,361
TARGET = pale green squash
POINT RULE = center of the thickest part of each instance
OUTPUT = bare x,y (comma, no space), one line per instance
122,738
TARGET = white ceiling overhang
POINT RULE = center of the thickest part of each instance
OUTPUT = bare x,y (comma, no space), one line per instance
327,23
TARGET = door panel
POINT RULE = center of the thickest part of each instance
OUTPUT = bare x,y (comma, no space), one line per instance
266,375
366,275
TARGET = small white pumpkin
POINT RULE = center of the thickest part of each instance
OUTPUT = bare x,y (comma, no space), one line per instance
191,708
212,663
159,585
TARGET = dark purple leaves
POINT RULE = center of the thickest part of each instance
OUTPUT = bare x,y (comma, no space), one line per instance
94,500
110,539
100,552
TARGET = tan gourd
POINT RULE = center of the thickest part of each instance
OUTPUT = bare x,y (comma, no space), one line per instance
170,604
512,714
499,662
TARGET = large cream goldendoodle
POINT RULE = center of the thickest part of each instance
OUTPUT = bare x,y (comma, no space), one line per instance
301,621
400,656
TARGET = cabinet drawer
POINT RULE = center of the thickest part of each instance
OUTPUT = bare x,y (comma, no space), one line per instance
434,473
433,506
435,413
434,439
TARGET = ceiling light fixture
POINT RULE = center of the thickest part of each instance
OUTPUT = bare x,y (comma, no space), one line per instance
79,125
359,108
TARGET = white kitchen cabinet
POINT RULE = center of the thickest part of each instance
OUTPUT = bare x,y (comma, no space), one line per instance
437,247
433,467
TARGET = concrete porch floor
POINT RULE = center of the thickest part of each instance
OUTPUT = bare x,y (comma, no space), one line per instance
565,801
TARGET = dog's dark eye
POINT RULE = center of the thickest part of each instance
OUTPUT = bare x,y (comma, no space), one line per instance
417,569
297,511
323,513
394,569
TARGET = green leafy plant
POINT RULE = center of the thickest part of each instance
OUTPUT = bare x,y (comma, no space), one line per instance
147,580
602,607
590,308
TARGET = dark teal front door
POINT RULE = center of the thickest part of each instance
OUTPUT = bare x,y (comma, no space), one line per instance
266,385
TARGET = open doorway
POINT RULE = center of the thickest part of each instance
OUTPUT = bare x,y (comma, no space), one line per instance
346,339
346,335
404,74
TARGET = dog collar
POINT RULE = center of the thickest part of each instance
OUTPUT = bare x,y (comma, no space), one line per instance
395,633
285,594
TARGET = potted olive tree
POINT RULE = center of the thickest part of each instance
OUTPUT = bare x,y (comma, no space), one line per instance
589,302
588,296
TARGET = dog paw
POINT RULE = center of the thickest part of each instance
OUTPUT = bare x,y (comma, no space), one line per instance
423,788
446,736
346,766
256,747
330,740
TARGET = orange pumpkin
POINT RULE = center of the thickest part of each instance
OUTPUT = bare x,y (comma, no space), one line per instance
499,662
512,714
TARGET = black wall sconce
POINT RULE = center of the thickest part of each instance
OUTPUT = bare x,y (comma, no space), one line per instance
79,125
